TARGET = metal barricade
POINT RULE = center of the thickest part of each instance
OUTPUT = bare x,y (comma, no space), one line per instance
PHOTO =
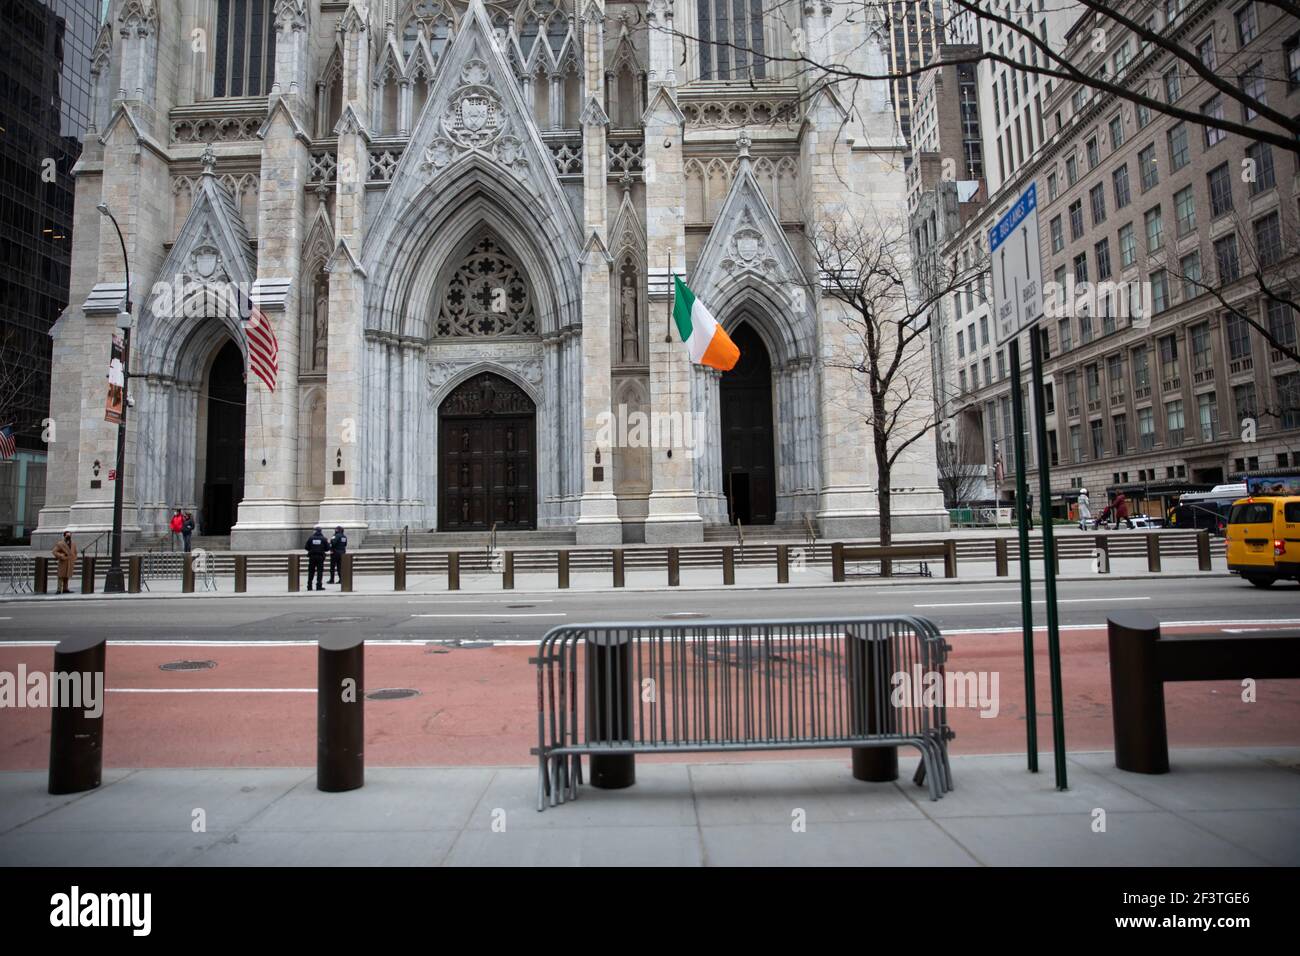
204,569
162,566
654,687
18,572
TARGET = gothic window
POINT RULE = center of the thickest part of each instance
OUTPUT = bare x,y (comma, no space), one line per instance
731,39
244,52
486,296
431,19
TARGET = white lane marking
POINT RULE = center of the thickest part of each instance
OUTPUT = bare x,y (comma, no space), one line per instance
212,690
521,600
1036,601
502,614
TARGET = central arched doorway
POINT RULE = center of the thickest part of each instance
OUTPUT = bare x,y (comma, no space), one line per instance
487,470
748,458
223,478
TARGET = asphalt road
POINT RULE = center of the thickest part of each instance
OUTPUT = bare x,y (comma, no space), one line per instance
523,616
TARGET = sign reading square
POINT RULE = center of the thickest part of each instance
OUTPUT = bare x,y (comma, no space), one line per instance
1017,267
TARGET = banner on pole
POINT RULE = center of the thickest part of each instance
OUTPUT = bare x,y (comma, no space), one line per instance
113,407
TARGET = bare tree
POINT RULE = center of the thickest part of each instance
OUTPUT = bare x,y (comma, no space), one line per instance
963,474
866,265
17,373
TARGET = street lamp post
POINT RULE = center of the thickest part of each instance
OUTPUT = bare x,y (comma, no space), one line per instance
113,581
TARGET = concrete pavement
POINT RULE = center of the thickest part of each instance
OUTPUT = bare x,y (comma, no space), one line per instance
1227,807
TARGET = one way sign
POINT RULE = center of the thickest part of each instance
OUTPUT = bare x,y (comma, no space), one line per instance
1017,267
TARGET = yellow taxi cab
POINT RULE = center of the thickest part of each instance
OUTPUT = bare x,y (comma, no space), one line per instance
1264,539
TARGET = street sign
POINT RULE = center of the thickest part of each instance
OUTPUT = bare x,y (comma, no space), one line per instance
1017,267
112,474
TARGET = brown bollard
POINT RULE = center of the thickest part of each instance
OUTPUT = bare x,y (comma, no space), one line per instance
340,713
295,572
782,564
870,709
187,573
837,561
620,576
1153,552
87,574
345,572
76,740
674,568
399,571
950,558
453,570
1103,545
241,573
1137,693
729,565
610,705
562,569
1000,557
508,570
1203,550
134,573
41,576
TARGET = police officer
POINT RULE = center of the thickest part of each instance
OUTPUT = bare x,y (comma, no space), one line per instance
317,545
338,547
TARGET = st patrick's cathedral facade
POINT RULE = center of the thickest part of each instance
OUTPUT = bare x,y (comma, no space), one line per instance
461,219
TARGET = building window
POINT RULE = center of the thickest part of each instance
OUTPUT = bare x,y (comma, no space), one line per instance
1058,235
1097,198
1205,52
1173,85
1281,323
1213,109
1202,357
1142,370
1146,429
1085,328
1179,154
1002,365
1119,428
1143,114
1147,171
1102,253
244,51
1185,210
1159,290
1238,330
1116,131
1063,335
1081,267
1127,246
1288,399
961,344
1076,444
1072,170
1174,423
1207,413
1098,441
1252,84
1268,239
1052,187
1247,24
1120,179
961,380
1220,182
1076,219
984,330
1072,393
1260,167
1168,361
1226,259
1092,382
731,39
1190,267
1243,399
1155,229
1291,50
1094,153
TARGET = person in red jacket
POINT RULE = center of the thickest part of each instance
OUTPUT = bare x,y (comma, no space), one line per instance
1121,511
177,526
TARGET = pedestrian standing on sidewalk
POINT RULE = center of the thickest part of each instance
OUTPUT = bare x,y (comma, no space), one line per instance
317,545
338,547
1085,509
66,554
187,529
177,525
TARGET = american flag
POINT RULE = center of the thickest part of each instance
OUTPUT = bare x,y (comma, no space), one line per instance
263,348
8,447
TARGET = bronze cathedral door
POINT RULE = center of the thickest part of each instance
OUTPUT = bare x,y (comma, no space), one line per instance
487,470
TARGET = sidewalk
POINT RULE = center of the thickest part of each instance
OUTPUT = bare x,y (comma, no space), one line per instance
1229,807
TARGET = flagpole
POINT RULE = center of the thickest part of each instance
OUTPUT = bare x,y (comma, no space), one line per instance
668,354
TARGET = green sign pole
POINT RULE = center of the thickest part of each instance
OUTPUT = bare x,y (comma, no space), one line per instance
1022,523
1049,560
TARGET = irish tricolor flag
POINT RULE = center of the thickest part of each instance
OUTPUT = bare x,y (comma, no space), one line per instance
704,338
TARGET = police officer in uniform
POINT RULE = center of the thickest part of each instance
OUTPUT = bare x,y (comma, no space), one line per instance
338,547
317,545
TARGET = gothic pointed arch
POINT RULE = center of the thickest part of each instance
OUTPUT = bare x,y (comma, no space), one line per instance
314,302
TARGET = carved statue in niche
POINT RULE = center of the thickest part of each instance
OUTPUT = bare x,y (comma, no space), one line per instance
320,329
627,314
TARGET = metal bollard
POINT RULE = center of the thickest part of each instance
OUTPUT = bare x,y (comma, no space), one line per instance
950,558
609,706
187,573
619,574
1153,552
837,561
1137,693
295,572
674,568
508,570
1203,550
1000,557
782,564
87,575
1103,545
241,573
729,565
399,572
340,713
76,740
345,572
41,576
870,711
562,569
453,571
134,573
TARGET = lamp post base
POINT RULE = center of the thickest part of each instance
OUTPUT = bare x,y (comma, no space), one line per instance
114,583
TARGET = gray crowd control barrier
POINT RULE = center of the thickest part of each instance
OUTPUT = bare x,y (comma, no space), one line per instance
611,691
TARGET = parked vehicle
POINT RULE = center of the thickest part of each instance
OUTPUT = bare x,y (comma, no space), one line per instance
1264,539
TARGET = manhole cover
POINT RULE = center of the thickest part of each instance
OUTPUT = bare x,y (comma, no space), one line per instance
466,645
677,615
187,666
392,693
